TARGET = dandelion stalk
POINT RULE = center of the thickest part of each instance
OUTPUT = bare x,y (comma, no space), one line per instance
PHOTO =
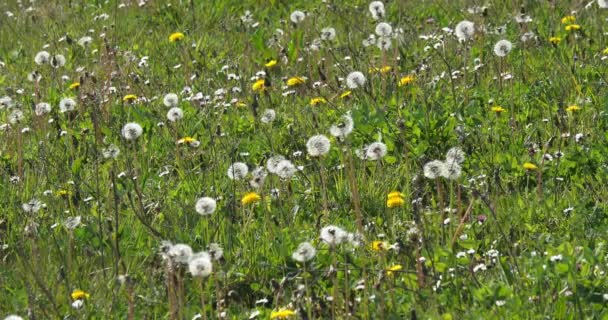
202,293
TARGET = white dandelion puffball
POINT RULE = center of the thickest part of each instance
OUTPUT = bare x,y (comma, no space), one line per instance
602,3
111,152
57,61
375,151
285,169
205,206
268,116
376,8
452,171
333,235
238,171
317,145
434,169
305,252
355,80
16,116
171,100
180,253
13,317
67,105
32,206
200,265
132,131
465,30
215,251
42,57
384,43
85,41
502,48
273,162
42,108
328,34
342,128
259,175
455,155
297,16
175,114
384,29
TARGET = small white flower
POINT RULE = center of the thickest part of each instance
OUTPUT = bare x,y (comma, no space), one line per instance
318,145
304,252
175,114
502,48
500,303
77,304
132,131
205,206
556,258
171,100
238,171
355,80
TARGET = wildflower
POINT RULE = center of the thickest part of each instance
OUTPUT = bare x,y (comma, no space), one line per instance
328,34
205,206
530,166
200,265
237,171
268,116
348,93
180,253
395,268
555,40
333,235
317,100
285,169
271,63
175,114
42,108
376,8
318,145
465,30
132,131
295,81
502,48
259,85
304,252
568,19
455,155
378,245
383,29
498,109
42,57
406,80
250,198
282,314
375,151
573,27
395,202
342,128
176,36
79,294
171,100
66,105
355,80
130,98
434,169
57,61
573,108
297,16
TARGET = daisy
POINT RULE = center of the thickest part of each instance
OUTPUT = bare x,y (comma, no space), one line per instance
318,145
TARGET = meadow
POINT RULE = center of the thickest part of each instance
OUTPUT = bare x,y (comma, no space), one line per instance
303,159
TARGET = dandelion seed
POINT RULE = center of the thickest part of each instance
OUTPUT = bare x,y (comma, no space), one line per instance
355,80
175,114
465,30
502,48
297,16
333,235
384,43
237,171
273,162
131,131
201,266
42,108
16,116
455,155
434,169
215,251
67,105
343,128
317,145
42,57
205,206
305,252
32,206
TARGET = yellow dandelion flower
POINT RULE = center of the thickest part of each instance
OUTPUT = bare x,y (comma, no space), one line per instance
395,202
573,108
317,100
605,51
79,294
129,98
271,63
282,314
259,85
395,194
406,80
568,19
395,268
498,109
379,245
63,193
386,69
555,40
295,81
573,27
75,85
348,93
176,36
530,166
250,198
240,104
185,140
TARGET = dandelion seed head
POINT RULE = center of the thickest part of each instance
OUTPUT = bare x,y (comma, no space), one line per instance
285,169
305,252
502,48
111,152
205,206
57,61
343,128
42,108
383,29
131,131
465,30
456,155
434,169
297,16
200,266
273,162
317,145
355,80
67,105
268,116
375,151
376,8
180,253
238,171
175,114
171,100
333,235
42,57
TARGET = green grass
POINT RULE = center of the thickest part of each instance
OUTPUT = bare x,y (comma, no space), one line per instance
517,244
